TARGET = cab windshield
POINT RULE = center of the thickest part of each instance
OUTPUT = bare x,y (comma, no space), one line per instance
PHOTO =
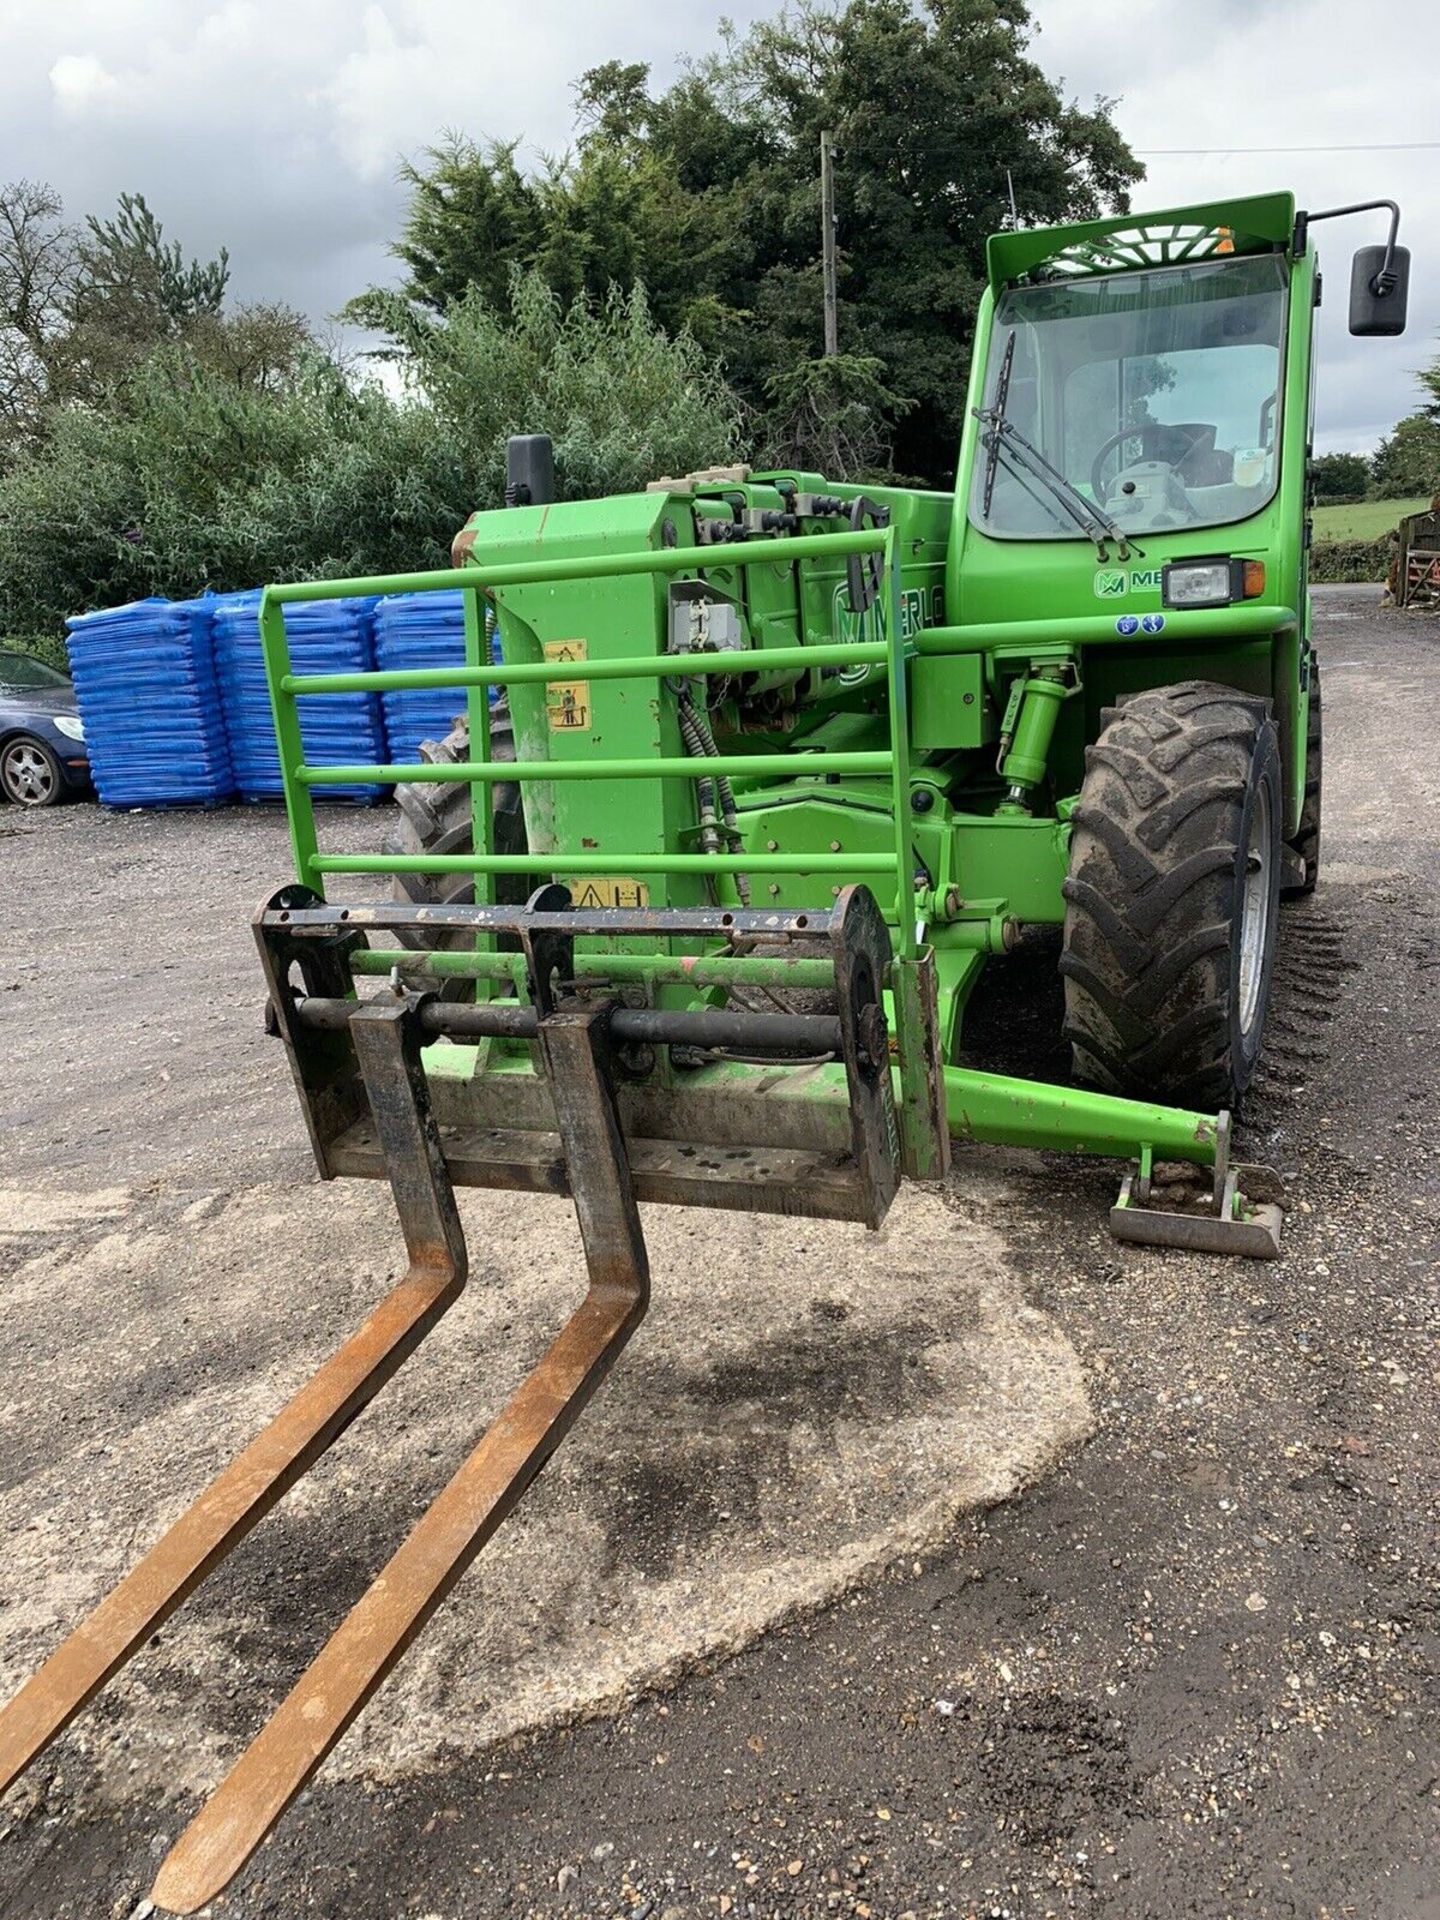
1154,395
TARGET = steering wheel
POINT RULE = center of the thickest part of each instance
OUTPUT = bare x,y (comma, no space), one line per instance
1143,434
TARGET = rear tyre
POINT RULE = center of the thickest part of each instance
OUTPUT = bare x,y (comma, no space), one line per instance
1171,898
1307,838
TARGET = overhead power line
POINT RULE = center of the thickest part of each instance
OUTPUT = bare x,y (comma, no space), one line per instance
1369,146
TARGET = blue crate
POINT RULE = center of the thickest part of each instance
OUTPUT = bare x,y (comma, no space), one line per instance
422,630
340,729
146,688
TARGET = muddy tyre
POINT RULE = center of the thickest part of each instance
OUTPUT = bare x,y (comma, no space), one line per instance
438,819
1307,839
1171,898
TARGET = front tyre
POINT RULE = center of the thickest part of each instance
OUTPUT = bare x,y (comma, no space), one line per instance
1172,896
436,817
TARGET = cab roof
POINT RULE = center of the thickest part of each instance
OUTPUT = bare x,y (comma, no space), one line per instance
1261,223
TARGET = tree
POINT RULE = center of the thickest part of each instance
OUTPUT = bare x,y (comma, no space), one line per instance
473,217
707,194
38,258
80,308
264,347
1339,477
1407,461
623,401
192,477
1429,378
928,108
830,415
613,101
133,290
126,259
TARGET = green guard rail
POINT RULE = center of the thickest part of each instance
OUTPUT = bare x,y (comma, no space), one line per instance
300,780
979,1106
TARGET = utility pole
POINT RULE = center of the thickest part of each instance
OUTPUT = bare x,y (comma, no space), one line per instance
827,246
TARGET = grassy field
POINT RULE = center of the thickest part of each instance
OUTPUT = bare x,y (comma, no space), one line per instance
1365,520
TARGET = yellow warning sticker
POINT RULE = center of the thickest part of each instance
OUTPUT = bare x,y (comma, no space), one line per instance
567,702
606,890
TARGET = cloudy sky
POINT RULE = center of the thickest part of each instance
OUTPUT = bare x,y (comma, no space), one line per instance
273,126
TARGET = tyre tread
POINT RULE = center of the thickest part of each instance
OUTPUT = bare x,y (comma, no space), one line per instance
1151,893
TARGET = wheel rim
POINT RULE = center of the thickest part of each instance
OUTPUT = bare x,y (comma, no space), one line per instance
1255,906
29,775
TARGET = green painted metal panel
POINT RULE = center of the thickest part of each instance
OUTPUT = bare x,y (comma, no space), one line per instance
950,706
1015,858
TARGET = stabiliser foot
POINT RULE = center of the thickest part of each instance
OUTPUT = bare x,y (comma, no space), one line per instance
1239,1214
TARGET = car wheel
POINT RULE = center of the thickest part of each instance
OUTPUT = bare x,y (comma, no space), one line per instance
29,773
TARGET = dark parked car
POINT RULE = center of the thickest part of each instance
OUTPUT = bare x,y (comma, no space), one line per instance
42,742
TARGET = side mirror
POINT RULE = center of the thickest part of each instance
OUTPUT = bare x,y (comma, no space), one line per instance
1373,313
529,470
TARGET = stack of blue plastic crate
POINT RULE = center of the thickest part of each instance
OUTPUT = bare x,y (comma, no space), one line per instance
420,630
145,684
343,729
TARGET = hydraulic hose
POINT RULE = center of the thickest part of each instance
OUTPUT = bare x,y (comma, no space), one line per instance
705,786
700,723
700,744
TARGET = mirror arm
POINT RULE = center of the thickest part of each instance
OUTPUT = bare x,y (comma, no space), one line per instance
1384,281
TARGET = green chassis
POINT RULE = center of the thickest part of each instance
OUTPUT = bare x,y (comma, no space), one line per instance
863,746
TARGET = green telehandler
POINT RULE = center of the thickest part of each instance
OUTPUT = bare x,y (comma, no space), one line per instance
694,916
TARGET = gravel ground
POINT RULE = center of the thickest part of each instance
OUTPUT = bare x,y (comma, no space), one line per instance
1193,1671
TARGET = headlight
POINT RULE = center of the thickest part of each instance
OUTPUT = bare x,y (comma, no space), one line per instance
1211,583
71,725
1205,583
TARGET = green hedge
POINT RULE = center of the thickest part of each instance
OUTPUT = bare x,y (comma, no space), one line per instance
1350,560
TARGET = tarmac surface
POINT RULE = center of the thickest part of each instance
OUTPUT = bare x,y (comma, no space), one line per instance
980,1567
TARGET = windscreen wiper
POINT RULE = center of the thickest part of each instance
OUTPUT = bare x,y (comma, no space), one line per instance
1000,433
996,413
